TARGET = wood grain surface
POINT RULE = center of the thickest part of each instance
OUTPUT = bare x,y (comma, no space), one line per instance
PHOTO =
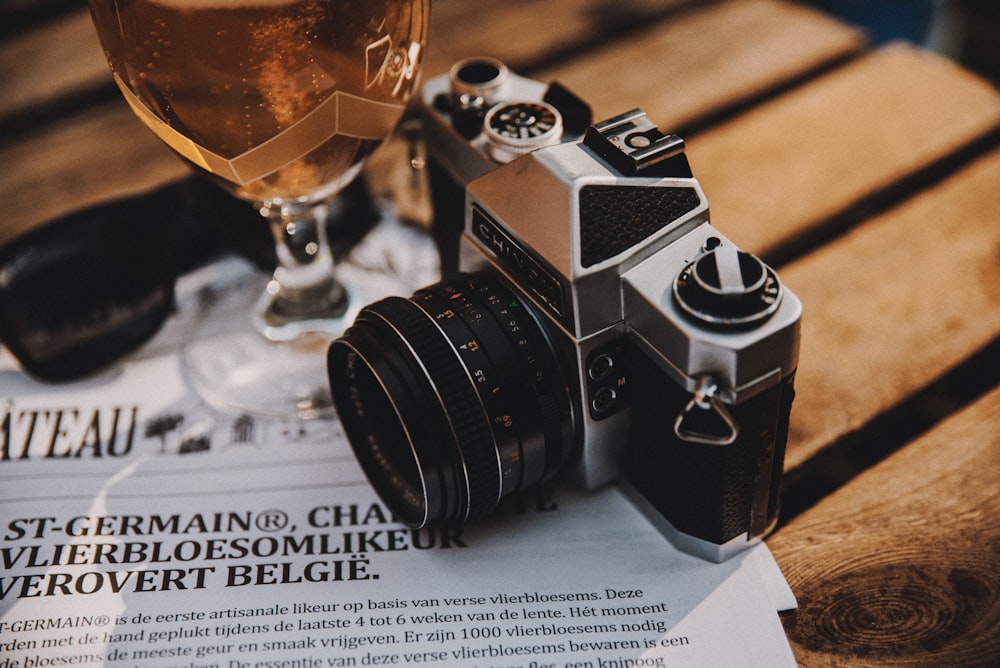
902,566
44,66
901,300
686,72
526,33
98,154
103,151
786,167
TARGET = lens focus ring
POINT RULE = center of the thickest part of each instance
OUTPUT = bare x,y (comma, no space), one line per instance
468,330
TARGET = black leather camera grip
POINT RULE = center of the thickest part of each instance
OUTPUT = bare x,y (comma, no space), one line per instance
712,492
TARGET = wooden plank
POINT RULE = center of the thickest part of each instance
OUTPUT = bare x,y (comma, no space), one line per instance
901,567
52,149
524,33
12,9
758,46
894,304
785,167
100,154
58,59
66,57
683,71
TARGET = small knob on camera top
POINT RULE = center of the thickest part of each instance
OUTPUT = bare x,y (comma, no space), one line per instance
727,287
512,129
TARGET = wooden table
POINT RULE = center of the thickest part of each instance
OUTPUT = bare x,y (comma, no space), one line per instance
869,177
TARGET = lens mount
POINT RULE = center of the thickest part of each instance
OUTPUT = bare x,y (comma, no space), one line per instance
452,399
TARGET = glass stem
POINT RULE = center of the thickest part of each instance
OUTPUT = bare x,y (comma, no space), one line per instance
303,296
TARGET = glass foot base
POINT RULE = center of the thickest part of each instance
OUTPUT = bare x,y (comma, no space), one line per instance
237,369
278,320
245,373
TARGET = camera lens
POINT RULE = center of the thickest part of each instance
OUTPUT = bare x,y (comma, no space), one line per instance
452,399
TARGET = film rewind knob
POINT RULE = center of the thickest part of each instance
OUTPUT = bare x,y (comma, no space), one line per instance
727,287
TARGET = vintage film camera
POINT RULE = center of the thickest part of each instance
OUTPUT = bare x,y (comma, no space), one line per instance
607,332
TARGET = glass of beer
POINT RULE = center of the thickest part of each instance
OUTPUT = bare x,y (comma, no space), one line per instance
279,102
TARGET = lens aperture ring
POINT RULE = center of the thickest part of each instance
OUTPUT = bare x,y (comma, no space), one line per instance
473,465
487,358
531,372
454,398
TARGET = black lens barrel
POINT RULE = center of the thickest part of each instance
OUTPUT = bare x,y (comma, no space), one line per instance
452,399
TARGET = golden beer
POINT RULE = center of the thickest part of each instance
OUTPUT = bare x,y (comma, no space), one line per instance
277,99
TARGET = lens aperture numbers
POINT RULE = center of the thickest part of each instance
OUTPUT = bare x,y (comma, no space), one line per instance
516,375
461,321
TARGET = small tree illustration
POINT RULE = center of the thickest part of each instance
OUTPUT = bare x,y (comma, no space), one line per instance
243,429
162,425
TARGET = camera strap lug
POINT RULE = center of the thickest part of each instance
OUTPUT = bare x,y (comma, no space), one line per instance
691,421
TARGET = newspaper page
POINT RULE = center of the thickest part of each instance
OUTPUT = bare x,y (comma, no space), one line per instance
141,527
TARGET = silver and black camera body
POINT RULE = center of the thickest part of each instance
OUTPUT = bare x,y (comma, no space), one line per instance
599,327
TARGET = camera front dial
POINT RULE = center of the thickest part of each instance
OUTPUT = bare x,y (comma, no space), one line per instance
451,399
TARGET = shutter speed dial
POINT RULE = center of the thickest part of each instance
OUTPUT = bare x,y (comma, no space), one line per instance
727,287
515,128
